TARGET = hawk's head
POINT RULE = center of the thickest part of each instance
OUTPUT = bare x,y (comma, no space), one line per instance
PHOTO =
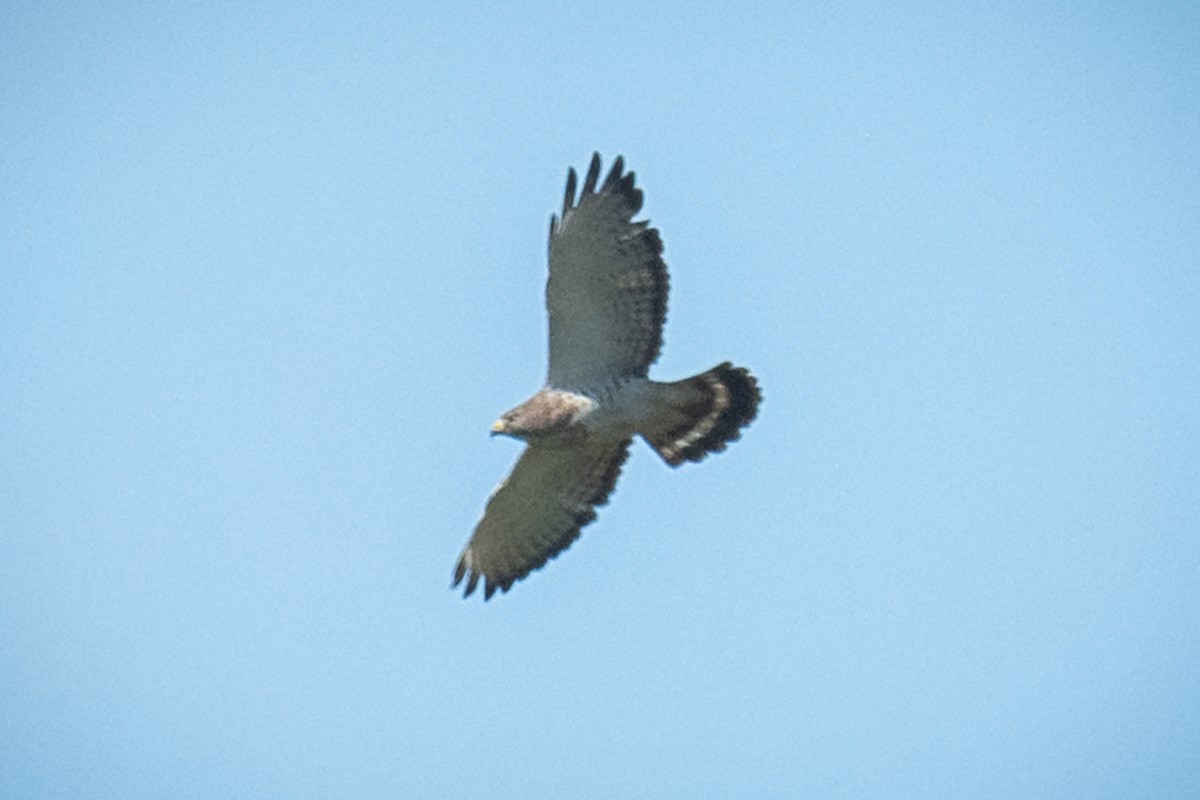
522,423
547,413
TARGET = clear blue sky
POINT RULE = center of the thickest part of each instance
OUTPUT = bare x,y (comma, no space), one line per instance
268,274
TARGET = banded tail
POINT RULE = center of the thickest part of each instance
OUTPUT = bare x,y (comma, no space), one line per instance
702,414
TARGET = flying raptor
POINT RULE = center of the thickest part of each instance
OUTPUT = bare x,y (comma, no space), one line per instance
607,301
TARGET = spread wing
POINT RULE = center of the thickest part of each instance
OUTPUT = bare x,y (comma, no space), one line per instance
607,291
537,512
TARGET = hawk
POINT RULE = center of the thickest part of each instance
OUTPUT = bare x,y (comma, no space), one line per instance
607,301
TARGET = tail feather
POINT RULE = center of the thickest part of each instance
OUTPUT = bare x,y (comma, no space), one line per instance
702,414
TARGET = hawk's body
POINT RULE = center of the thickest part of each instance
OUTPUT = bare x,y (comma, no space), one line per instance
607,301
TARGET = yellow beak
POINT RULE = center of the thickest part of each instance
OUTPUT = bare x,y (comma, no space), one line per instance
498,427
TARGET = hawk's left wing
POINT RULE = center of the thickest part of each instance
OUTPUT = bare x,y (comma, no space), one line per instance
607,291
537,511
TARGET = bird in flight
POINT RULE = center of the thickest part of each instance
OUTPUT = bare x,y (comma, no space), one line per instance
607,301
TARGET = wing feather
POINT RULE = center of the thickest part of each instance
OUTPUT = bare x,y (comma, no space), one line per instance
607,291
538,511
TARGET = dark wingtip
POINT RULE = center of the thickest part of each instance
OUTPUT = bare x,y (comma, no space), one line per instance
635,199
614,175
616,182
461,571
593,174
569,196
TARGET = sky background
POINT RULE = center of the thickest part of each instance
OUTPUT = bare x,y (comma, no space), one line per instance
268,273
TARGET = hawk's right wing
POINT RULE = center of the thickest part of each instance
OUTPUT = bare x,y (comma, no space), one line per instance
538,510
607,291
